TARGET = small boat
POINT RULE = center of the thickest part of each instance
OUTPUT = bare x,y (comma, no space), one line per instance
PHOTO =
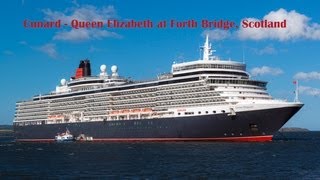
83,137
64,137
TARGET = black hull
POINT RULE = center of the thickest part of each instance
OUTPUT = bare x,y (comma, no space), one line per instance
259,125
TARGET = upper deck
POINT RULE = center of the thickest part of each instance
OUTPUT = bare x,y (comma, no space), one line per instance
210,64
206,67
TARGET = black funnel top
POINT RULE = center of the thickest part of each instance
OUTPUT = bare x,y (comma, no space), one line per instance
86,68
81,65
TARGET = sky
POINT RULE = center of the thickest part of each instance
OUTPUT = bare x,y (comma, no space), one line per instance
34,60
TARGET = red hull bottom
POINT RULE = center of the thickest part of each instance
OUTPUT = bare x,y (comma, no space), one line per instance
228,139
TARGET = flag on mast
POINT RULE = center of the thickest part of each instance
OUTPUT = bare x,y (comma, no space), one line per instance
296,98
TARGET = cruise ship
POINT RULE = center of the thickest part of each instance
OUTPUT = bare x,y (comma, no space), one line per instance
209,99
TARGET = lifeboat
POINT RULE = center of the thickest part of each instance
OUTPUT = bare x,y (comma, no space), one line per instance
135,110
147,110
55,117
114,112
121,111
124,111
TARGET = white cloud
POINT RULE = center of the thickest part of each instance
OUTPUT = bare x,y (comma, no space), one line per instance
266,50
309,90
8,52
298,26
72,35
265,70
217,34
23,43
74,2
307,76
49,49
93,49
179,57
82,13
84,34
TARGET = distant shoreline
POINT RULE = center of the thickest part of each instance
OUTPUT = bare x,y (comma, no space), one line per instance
5,130
293,129
6,127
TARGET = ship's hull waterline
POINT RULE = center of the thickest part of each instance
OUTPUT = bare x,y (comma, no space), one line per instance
257,125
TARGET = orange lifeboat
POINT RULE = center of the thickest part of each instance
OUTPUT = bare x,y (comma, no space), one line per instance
147,110
55,117
114,112
135,110
124,111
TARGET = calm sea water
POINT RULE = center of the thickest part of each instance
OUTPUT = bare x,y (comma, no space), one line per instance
289,156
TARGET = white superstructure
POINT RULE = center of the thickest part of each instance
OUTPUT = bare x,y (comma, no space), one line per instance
205,86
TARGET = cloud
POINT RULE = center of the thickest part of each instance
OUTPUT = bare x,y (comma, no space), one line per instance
77,35
23,43
49,49
74,2
216,34
309,90
266,50
93,49
298,26
179,57
8,53
265,70
82,13
307,76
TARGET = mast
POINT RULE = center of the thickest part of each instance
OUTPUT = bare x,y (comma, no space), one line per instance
296,92
207,50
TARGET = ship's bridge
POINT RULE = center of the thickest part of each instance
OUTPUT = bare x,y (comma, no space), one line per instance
210,65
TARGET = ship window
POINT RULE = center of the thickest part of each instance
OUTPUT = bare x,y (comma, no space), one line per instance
179,113
223,111
199,112
213,111
207,112
253,127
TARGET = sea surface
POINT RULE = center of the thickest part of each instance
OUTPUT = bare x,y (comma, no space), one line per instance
294,155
